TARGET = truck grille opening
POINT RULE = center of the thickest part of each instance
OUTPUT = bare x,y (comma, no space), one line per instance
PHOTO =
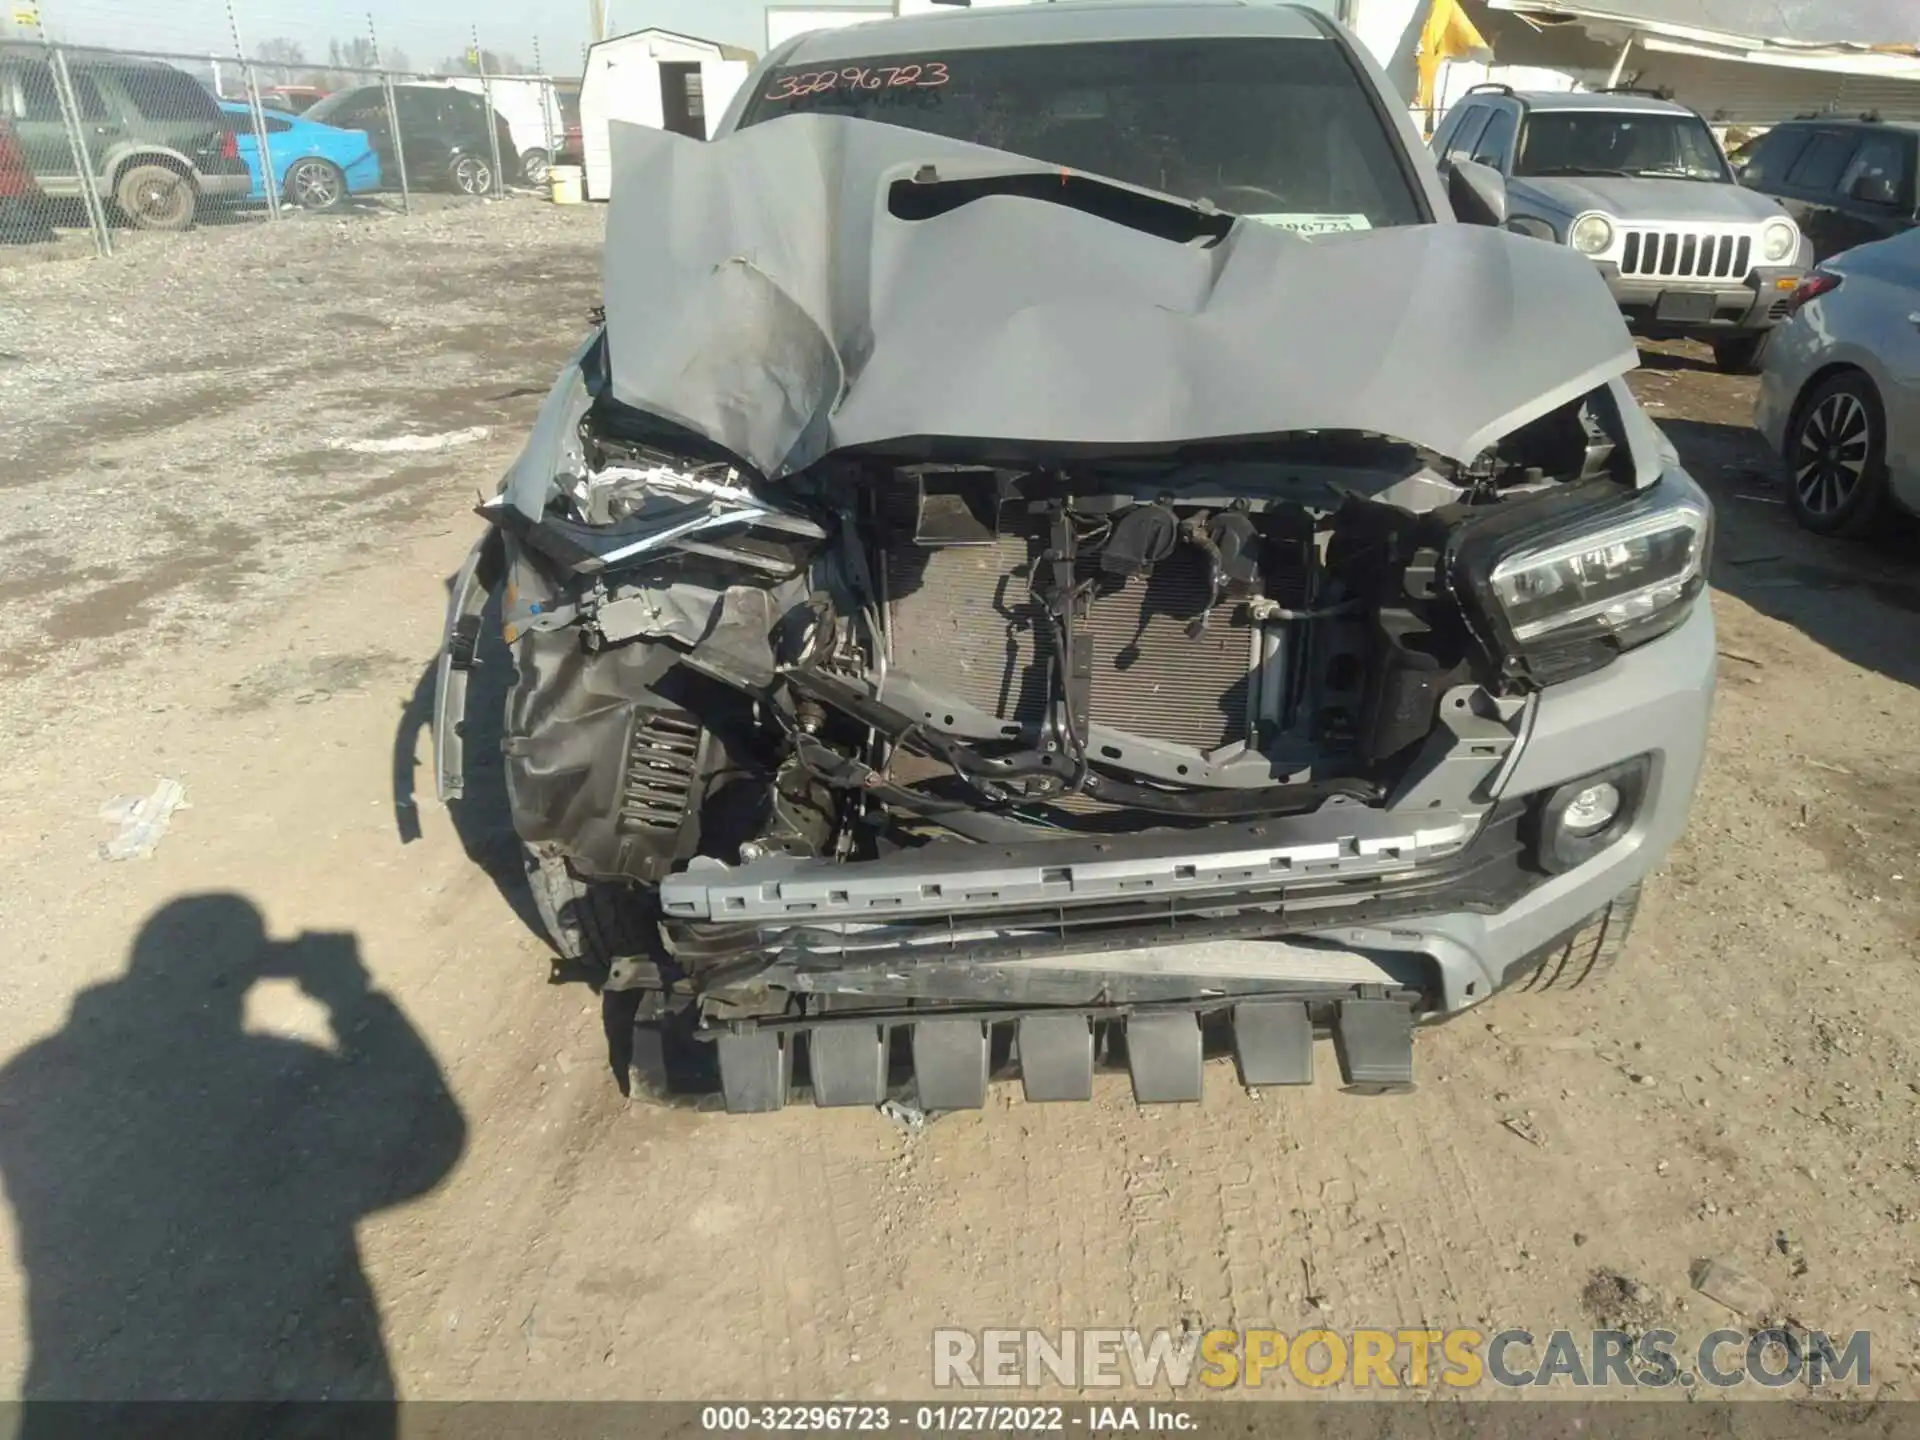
1686,255
964,622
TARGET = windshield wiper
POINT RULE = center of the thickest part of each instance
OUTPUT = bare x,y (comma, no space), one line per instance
1678,175
1576,170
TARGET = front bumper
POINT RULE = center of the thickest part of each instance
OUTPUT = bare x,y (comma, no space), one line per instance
1801,348
1358,896
1442,937
1757,302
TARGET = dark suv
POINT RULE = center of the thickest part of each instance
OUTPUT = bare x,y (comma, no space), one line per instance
156,142
443,134
1847,182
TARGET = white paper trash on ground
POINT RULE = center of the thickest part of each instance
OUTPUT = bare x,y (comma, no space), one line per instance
142,819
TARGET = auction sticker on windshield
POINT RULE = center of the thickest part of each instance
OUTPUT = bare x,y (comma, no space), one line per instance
1315,224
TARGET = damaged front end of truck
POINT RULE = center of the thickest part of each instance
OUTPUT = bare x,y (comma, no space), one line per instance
973,615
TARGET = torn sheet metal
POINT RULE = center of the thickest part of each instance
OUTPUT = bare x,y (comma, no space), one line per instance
725,631
760,293
553,449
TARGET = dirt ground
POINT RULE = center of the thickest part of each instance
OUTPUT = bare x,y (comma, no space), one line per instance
297,1105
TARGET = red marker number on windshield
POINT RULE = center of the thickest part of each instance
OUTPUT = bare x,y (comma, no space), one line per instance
924,75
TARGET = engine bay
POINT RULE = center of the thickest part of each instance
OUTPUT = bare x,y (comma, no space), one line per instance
884,651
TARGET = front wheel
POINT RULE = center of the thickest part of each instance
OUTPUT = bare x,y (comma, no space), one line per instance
1586,956
536,166
315,184
472,175
1837,457
1740,354
154,197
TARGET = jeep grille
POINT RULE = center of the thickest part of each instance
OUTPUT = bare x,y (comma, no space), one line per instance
1685,255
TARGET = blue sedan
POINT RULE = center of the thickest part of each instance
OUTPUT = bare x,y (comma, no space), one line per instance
317,166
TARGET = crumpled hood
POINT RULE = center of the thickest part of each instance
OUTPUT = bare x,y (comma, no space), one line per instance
1631,198
760,293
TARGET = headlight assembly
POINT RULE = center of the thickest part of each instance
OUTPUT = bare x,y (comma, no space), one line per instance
1609,580
1778,240
1591,235
1563,592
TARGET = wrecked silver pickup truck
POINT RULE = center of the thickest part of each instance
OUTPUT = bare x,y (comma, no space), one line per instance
1154,583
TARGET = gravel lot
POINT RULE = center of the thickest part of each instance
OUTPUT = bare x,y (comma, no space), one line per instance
235,472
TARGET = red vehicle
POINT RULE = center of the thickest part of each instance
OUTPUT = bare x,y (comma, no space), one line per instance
23,209
297,99
573,149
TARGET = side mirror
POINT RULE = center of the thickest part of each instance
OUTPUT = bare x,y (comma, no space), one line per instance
1477,193
1875,190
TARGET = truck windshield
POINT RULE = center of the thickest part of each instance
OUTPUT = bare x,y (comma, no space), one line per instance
1282,130
1615,142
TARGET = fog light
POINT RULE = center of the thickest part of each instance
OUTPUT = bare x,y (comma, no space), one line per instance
1592,809
1576,821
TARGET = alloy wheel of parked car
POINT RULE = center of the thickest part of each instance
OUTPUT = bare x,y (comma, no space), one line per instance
535,166
1836,457
316,184
154,197
472,175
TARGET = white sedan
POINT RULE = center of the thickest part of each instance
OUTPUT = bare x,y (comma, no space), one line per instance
1840,395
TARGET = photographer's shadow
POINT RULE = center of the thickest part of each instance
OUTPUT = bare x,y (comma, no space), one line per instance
185,1192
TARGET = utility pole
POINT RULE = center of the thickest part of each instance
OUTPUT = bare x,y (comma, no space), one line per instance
596,20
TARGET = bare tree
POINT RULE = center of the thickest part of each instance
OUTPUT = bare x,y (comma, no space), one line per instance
498,62
280,51
354,54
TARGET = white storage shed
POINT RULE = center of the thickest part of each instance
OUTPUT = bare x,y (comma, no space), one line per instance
654,77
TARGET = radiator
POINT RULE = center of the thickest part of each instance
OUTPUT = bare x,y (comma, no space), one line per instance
964,624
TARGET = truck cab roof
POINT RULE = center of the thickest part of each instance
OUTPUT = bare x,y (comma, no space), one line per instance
1063,22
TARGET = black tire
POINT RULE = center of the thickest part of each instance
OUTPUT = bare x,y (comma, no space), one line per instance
1586,956
1837,457
1740,354
155,197
591,921
315,184
471,175
535,167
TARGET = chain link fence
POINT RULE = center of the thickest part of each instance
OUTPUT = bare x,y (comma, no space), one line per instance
104,142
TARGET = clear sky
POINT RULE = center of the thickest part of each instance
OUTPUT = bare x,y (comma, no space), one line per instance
426,29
